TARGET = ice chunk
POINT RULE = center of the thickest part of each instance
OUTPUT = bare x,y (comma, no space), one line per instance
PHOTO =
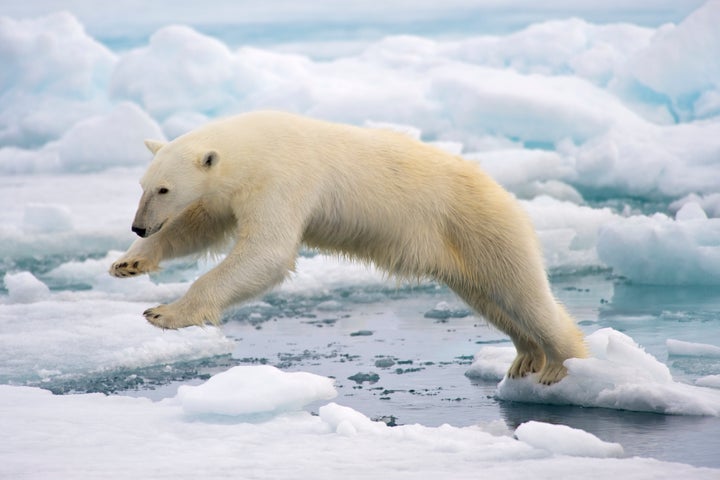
690,211
491,363
518,106
180,70
53,75
564,440
660,251
709,203
23,287
620,375
682,60
690,349
649,160
254,390
712,381
97,143
348,422
568,232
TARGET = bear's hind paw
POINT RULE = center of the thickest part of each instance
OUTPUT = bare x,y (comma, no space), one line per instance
169,317
525,364
552,373
162,317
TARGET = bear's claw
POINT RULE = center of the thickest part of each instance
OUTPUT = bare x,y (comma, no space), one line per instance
166,317
552,373
525,364
131,268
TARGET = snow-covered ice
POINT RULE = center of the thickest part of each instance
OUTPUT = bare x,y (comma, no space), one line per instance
619,374
88,436
603,118
564,440
248,390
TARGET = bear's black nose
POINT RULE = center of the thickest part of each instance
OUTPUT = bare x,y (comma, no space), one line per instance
140,231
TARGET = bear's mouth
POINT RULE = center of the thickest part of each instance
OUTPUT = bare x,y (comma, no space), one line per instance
155,229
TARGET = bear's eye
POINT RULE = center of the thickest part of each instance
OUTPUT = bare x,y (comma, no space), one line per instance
163,191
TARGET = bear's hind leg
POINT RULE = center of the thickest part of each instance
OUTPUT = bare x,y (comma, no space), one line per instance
543,333
563,343
529,359
530,356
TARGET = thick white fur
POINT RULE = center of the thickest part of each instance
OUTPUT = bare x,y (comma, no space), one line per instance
274,181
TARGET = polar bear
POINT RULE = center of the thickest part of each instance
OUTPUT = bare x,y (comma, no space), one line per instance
273,181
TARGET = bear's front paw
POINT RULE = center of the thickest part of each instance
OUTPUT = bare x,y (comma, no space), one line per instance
131,267
171,317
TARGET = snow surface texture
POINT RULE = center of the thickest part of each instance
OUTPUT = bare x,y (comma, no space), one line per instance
619,374
91,436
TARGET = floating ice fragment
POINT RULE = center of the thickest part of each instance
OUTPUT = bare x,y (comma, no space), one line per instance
619,374
254,390
23,287
690,211
491,363
690,349
712,381
564,440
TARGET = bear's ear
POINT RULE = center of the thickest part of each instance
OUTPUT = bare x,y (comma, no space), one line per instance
154,145
209,160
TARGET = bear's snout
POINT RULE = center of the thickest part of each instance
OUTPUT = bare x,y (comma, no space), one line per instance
141,232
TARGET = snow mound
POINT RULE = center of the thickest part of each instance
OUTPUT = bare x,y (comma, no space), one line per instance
23,287
564,440
619,374
347,421
254,390
709,203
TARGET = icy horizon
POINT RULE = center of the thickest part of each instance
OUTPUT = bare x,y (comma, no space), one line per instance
624,124
603,118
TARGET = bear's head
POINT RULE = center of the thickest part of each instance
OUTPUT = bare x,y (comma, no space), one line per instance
175,179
